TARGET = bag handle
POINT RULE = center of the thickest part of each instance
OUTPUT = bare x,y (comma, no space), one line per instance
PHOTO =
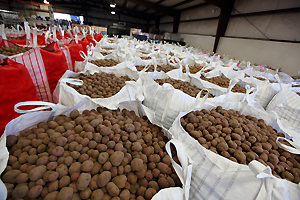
44,106
200,100
187,69
146,68
73,81
34,38
232,83
154,63
184,171
248,91
295,150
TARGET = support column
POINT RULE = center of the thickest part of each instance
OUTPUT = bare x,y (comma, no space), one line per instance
176,21
223,22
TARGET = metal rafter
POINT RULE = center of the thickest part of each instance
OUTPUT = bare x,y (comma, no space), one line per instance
126,11
156,3
155,7
181,3
195,6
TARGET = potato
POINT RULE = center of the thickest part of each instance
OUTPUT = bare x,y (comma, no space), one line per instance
112,189
164,168
65,193
273,159
125,194
37,173
83,181
87,166
58,151
116,158
75,167
61,141
20,191
150,192
74,114
137,164
104,178
62,170
97,167
53,186
11,140
97,194
64,181
85,194
35,191
51,195
120,181
103,157
132,178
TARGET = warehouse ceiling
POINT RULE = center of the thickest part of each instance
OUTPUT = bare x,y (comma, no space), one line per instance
147,9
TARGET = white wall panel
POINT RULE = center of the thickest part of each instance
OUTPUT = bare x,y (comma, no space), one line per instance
277,26
201,12
166,28
199,41
246,6
276,54
207,27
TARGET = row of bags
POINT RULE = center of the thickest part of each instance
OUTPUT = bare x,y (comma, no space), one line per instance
267,94
33,75
204,174
169,102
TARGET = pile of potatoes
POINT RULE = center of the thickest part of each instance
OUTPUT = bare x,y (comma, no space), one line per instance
108,49
194,69
100,85
242,139
164,68
99,154
185,87
224,82
105,62
145,58
105,53
10,51
263,79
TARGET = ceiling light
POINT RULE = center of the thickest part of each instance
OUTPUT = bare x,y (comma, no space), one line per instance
113,12
113,5
46,2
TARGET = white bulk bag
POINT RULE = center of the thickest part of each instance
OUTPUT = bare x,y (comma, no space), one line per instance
213,88
286,105
165,102
68,96
215,177
31,118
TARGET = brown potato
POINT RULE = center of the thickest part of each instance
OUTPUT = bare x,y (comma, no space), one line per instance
104,178
83,181
65,193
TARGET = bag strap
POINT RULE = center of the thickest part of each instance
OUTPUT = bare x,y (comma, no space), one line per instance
34,39
232,83
184,171
44,106
154,63
199,100
295,149
72,81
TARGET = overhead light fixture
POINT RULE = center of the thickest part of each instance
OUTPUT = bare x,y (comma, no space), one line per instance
113,12
46,2
113,5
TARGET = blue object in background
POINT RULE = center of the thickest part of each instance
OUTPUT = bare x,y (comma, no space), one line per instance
75,18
